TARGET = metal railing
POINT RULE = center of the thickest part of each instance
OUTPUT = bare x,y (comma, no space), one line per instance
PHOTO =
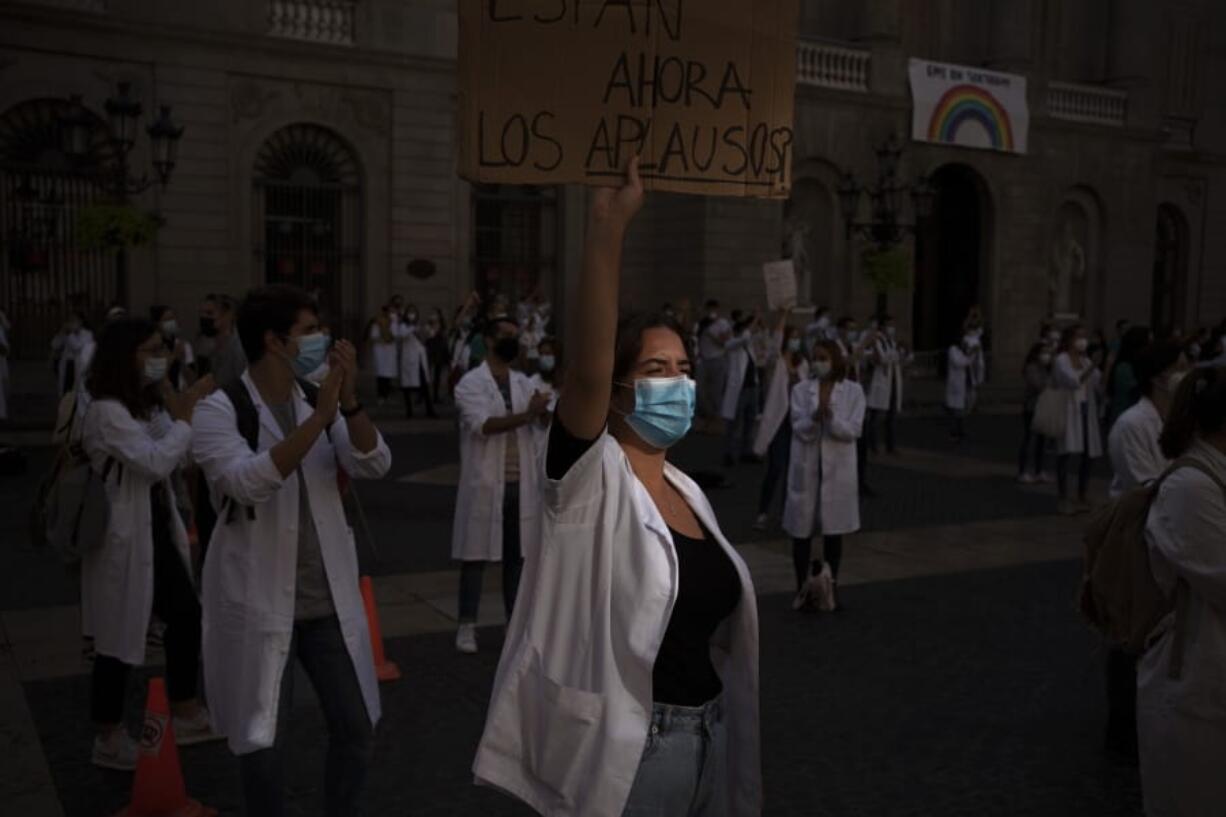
95,6
1087,103
825,65
319,21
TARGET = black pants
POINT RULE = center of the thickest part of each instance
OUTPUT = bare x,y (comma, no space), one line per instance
512,563
778,456
804,564
383,387
1029,437
320,647
1121,701
1083,473
174,602
441,369
424,391
875,417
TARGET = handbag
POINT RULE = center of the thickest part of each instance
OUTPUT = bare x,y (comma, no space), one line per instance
1050,413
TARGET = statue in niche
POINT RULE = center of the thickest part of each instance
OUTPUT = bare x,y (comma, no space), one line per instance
798,246
1068,270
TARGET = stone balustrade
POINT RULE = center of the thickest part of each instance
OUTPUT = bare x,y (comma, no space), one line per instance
1087,103
319,21
832,66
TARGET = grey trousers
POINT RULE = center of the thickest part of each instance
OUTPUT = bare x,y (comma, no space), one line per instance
683,771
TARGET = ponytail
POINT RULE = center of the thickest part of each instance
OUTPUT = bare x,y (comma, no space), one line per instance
1199,407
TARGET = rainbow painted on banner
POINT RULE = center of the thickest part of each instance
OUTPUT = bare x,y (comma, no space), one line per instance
970,103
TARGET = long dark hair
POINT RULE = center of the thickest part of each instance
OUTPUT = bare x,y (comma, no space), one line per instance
629,343
113,372
1199,408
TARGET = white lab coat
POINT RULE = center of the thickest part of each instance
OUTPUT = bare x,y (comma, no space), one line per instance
75,347
117,578
572,697
887,370
476,534
1132,445
1068,379
1181,723
250,573
740,356
824,461
964,376
777,407
383,353
414,362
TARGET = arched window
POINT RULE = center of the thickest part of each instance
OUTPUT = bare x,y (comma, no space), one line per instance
308,197
1170,282
44,272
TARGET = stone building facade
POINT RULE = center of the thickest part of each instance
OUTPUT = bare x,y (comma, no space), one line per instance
319,148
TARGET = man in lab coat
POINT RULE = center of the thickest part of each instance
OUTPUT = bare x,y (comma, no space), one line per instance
281,576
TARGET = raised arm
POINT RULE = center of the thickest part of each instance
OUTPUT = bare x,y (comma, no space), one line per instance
584,407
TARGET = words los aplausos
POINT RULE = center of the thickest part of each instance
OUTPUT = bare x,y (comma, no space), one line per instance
648,84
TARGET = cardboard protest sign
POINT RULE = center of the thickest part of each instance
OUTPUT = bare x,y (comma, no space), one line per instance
780,279
566,91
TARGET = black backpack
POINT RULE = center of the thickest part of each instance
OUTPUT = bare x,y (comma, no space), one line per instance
247,420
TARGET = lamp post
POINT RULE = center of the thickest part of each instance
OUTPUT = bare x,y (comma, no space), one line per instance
886,228
79,131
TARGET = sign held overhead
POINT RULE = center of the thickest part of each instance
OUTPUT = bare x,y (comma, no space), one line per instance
566,91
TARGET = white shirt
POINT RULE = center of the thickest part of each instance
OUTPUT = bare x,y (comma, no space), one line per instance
572,698
1132,445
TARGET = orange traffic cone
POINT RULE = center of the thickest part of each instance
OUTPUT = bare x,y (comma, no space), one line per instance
158,789
385,670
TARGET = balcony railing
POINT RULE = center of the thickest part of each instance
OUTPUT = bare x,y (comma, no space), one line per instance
317,21
832,66
95,6
1087,103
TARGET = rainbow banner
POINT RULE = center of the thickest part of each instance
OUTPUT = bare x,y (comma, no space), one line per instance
968,107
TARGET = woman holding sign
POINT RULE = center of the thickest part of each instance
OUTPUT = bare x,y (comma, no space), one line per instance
628,684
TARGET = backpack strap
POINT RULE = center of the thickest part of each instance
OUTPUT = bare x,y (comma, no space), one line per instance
311,393
247,421
1182,589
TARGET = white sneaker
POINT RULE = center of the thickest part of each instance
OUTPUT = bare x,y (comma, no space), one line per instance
116,751
762,522
196,729
825,584
466,639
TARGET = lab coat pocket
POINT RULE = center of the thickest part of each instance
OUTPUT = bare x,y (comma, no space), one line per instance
560,728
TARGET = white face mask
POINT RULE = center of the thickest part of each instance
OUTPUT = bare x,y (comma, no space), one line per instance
891,332
170,328
1173,380
1045,359
793,345
822,369
155,369
1081,344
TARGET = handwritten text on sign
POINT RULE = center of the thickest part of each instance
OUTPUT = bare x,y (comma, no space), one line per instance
565,91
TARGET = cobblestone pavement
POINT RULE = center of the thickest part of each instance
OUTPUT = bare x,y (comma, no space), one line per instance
951,692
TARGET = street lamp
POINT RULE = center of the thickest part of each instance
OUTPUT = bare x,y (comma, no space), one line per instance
76,128
122,113
164,136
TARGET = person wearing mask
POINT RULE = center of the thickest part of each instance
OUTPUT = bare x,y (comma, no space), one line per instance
885,388
530,338
1134,448
1036,376
72,349
1075,374
136,432
546,380
1213,353
178,351
820,328
1181,721
851,346
383,334
657,714
281,576
497,509
827,415
740,404
438,351
774,437
714,332
962,380
226,360
414,363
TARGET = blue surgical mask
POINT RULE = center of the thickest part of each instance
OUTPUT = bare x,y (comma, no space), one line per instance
312,350
546,363
793,345
663,409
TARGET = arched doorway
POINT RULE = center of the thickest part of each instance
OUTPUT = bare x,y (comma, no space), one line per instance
1170,280
951,257
44,270
308,219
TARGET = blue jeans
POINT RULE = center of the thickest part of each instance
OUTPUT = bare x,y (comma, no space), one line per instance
320,646
683,770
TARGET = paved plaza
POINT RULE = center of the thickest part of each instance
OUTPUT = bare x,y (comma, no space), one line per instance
958,681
